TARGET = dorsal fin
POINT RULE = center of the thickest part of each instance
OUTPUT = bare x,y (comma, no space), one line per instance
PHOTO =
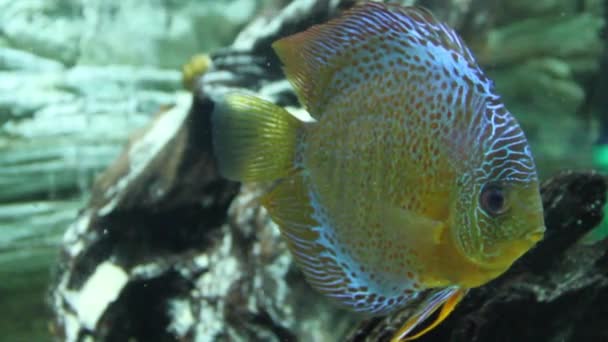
315,60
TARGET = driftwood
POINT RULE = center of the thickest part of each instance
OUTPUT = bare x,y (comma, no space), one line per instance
168,250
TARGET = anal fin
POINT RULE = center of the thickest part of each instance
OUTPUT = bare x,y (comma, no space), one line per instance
289,205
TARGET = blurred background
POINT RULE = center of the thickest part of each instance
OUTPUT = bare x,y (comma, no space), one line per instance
77,77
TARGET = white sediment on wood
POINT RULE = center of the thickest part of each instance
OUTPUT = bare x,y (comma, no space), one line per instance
101,289
212,286
143,152
182,319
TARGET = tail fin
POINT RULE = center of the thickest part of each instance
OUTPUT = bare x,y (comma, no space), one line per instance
254,140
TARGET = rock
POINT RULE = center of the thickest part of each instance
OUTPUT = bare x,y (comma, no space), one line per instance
113,80
162,34
13,59
25,102
559,36
30,234
512,11
43,28
54,138
539,83
157,33
60,127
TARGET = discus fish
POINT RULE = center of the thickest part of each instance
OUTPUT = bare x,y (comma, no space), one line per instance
413,183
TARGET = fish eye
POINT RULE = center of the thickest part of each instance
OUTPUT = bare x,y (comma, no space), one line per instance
493,200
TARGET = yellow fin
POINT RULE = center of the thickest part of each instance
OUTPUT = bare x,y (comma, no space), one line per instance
447,299
422,231
440,264
254,140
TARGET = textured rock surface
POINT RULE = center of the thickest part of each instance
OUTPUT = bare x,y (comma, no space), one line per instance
56,134
159,33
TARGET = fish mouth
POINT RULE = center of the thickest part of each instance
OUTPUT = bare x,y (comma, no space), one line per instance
501,258
536,235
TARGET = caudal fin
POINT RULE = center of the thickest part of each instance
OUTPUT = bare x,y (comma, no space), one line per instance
254,140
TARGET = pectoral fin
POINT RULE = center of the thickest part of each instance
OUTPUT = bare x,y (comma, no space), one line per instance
447,299
423,232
